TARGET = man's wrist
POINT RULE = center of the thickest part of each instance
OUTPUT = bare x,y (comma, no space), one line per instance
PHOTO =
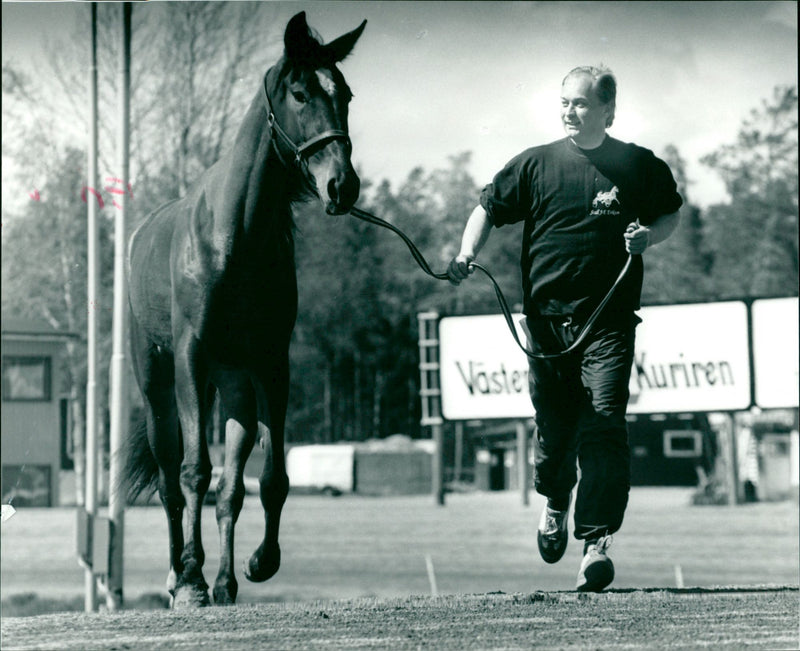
648,235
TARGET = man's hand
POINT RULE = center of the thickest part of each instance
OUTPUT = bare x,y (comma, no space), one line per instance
459,268
637,238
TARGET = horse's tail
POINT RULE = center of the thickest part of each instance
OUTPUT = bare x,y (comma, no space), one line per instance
140,473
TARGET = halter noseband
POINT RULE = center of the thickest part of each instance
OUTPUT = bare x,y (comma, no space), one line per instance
315,143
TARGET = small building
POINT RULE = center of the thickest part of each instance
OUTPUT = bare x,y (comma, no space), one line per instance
666,450
396,465
496,454
33,418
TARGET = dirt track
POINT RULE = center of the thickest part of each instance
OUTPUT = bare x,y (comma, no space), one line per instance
693,618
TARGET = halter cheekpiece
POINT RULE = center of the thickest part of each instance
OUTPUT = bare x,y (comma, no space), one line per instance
311,145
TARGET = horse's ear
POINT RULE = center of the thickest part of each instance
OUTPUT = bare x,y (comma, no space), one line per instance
337,50
298,40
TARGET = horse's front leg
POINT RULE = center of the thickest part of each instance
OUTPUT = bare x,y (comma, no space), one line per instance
191,395
274,482
241,426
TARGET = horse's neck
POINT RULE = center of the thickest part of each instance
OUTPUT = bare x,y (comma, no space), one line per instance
249,193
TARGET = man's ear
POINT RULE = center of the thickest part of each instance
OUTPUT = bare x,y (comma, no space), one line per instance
611,109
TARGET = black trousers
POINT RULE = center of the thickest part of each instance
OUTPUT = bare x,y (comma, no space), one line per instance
580,402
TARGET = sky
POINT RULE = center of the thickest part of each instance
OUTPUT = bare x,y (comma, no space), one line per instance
434,79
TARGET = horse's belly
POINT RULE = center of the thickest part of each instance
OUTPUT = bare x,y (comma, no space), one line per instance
150,284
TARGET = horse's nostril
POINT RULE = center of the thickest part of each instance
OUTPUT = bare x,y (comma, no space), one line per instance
343,191
333,191
348,191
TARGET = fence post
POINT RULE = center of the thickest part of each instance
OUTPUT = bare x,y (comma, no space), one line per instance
731,461
431,395
458,453
522,460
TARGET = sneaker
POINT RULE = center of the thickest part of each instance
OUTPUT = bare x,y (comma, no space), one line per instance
552,535
597,570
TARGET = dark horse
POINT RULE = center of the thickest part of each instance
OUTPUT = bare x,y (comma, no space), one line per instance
213,297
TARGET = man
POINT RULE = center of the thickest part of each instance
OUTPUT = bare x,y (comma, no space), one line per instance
586,202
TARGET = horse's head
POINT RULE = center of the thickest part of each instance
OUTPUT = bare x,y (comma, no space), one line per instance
309,99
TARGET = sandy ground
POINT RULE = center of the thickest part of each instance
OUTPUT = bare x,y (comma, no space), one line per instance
663,619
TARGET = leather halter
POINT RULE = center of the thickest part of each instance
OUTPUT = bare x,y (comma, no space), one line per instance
307,148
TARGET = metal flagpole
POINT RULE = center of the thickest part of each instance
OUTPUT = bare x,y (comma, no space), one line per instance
119,386
90,474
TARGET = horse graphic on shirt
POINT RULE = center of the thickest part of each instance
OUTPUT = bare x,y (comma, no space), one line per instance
606,198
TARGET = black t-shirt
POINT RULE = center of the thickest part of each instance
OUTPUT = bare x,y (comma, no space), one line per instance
576,205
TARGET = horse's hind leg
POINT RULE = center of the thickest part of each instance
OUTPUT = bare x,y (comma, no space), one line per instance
191,389
241,426
164,435
155,375
274,482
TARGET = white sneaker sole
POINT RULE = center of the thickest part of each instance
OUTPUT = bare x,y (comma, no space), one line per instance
596,576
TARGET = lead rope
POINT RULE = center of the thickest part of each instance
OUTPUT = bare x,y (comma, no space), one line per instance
501,299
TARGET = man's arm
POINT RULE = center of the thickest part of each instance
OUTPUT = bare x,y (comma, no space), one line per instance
476,232
638,238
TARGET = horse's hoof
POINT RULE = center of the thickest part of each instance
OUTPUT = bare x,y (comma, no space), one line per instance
187,597
225,595
263,565
172,581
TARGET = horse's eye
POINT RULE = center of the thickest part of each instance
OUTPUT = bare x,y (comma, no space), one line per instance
299,97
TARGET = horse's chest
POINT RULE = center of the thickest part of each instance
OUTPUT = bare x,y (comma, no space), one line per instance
252,308
263,280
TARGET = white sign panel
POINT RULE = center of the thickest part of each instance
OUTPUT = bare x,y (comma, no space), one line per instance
691,358
688,358
483,372
775,352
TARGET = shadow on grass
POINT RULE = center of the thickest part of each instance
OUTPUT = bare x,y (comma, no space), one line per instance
29,604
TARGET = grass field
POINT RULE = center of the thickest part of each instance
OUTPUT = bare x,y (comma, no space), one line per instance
353,547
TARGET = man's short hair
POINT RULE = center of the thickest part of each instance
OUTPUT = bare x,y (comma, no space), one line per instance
604,84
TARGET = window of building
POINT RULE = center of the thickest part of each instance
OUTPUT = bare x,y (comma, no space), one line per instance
682,443
27,485
27,379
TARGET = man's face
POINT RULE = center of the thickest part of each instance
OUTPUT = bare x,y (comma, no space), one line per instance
582,114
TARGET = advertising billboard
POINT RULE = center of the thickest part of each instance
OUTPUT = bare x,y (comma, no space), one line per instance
775,352
483,372
691,358
688,358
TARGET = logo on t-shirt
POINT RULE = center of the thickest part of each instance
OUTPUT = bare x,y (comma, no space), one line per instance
601,205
